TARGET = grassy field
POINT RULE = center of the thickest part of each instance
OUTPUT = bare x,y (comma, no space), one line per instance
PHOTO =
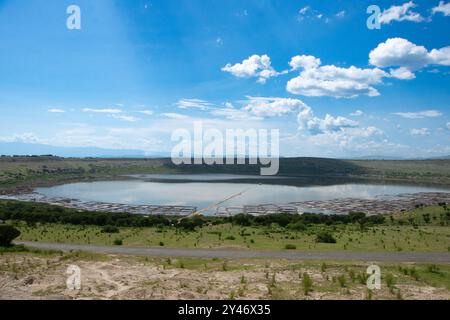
41,274
421,230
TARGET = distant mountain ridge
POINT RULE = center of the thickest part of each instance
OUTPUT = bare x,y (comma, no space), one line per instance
29,149
22,148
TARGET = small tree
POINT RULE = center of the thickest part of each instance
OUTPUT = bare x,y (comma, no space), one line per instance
7,234
325,237
110,229
118,242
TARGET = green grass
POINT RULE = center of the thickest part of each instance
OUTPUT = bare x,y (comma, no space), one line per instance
24,249
395,235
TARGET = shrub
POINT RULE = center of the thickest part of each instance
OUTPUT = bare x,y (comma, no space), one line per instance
362,278
189,224
7,235
390,282
296,226
433,268
230,238
352,275
118,242
369,294
398,295
414,274
110,229
290,247
325,237
161,244
307,283
342,281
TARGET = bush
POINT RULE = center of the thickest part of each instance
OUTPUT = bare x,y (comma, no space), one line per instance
433,269
7,235
230,238
118,242
325,237
307,283
390,282
297,226
290,247
110,229
189,224
342,281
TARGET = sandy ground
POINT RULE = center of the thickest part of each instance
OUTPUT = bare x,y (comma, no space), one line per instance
120,277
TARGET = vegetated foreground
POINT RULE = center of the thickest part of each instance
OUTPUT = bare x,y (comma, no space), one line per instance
425,229
42,275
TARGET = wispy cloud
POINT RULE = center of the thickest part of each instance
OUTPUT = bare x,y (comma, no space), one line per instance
340,14
56,110
193,104
420,132
401,13
177,116
443,8
231,113
357,113
124,117
419,114
112,110
146,112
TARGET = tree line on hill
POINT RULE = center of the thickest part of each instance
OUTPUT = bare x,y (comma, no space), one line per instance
31,213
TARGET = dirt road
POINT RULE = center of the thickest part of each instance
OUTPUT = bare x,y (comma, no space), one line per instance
237,254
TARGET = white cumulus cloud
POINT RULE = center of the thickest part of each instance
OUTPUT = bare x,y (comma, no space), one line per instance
254,66
312,125
304,62
402,73
338,82
399,52
272,107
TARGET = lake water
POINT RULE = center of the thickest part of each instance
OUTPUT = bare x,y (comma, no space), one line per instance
205,190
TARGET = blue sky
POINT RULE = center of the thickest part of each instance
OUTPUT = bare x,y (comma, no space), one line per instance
137,70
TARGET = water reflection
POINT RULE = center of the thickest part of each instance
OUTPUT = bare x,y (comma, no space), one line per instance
211,189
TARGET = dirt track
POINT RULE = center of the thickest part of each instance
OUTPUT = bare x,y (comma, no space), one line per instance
237,254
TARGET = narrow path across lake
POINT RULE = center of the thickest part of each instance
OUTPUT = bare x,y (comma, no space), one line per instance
426,257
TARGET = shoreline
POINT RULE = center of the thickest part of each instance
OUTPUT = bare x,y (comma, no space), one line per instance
379,205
